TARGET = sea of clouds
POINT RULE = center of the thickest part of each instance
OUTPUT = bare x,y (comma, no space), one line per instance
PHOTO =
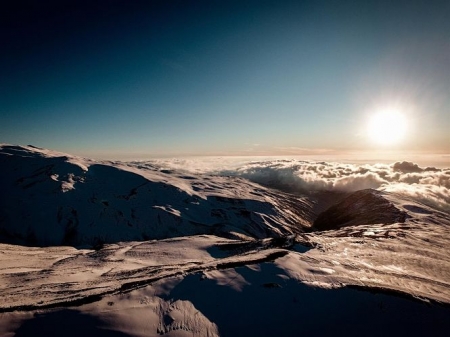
429,185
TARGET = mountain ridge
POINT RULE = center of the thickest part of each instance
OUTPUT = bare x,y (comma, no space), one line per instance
51,198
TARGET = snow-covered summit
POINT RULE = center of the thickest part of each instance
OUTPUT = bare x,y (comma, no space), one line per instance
51,198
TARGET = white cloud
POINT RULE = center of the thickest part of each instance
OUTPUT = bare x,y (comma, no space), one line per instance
428,185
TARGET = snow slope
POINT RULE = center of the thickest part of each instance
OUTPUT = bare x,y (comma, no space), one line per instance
137,249
50,198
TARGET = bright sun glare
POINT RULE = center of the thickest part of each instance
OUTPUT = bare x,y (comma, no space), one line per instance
387,127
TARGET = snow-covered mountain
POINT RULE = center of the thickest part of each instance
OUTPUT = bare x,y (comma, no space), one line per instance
146,249
51,198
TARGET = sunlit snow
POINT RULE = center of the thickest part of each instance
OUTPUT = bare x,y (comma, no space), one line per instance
147,249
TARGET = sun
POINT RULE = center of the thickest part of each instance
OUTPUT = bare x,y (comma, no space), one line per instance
387,127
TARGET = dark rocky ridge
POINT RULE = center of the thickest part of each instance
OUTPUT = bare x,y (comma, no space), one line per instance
364,207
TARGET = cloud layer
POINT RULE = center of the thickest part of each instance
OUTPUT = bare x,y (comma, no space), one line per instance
428,185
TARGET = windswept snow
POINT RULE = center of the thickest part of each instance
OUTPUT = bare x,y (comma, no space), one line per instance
86,203
147,250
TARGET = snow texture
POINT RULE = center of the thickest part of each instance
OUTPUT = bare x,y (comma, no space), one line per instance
268,248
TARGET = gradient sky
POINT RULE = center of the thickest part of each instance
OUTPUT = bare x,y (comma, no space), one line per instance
124,79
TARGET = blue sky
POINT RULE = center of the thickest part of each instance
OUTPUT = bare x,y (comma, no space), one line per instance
157,78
